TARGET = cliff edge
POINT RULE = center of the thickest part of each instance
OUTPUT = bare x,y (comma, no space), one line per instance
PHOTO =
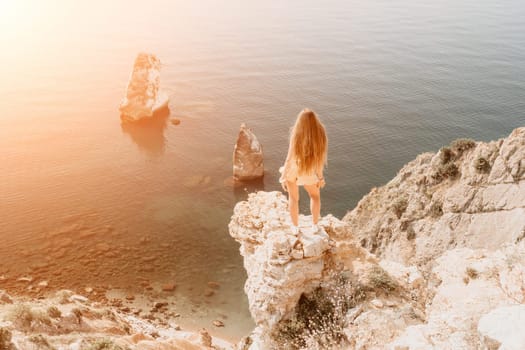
469,194
435,259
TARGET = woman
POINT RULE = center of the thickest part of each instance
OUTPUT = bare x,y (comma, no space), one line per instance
304,165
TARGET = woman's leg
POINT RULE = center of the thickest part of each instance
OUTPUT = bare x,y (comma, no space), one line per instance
315,201
293,201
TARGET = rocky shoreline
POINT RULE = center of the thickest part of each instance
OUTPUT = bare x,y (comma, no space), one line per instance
157,304
64,320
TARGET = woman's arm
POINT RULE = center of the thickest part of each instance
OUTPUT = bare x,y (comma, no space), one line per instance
320,177
286,167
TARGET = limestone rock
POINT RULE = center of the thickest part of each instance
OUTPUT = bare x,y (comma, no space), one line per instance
276,280
504,326
396,306
143,94
282,267
471,284
247,156
409,277
426,210
444,266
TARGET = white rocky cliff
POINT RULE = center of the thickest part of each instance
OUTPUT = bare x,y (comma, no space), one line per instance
248,161
471,194
435,259
310,290
143,94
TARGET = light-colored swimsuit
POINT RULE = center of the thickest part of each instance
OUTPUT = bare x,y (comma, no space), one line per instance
293,175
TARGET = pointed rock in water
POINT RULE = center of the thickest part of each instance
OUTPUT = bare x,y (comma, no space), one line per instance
143,95
247,156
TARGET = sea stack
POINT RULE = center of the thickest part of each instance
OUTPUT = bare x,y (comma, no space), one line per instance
247,156
143,94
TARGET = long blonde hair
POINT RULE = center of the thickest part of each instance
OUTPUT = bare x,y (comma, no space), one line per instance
308,142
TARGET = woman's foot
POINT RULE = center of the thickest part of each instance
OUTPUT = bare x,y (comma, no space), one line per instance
295,229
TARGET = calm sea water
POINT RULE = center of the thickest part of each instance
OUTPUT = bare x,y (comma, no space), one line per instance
390,79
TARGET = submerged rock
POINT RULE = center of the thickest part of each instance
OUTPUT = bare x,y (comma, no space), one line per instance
143,94
168,287
247,156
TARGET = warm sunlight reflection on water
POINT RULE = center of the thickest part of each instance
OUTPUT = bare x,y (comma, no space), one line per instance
86,201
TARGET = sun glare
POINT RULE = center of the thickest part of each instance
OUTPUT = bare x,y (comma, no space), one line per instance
13,11
28,18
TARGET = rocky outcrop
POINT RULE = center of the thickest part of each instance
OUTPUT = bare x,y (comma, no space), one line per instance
247,156
470,285
364,302
286,272
68,321
435,259
143,94
280,265
471,194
